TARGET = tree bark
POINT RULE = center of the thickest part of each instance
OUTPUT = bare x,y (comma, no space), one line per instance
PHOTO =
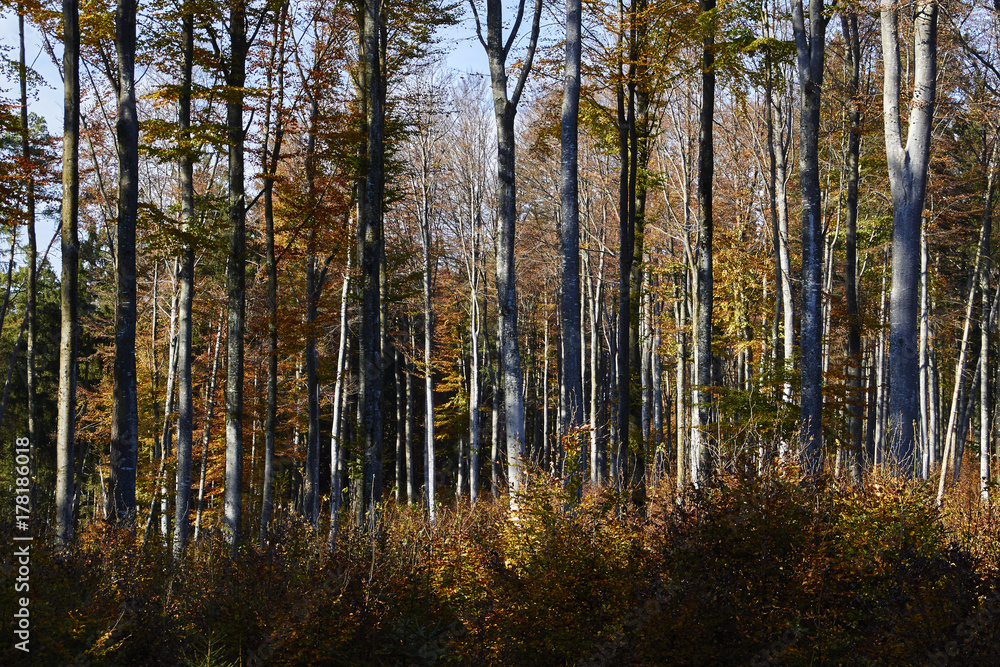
69,328
370,249
704,270
855,372
206,438
32,296
505,108
810,46
571,388
185,406
235,276
908,181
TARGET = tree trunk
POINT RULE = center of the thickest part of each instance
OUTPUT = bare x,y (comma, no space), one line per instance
810,47
855,373
704,274
69,328
32,295
571,387
206,434
185,416
270,158
339,389
370,249
235,276
908,181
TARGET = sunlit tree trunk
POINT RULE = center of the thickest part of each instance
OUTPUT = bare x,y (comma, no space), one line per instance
65,433
206,437
908,181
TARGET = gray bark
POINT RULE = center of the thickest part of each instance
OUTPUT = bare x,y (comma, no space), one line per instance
207,433
908,181
185,416
810,46
69,328
505,107
704,271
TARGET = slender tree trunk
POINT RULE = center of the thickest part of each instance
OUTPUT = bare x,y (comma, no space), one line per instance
849,21
271,155
235,277
314,288
411,461
65,434
475,428
926,438
571,387
908,181
185,408
704,283
32,295
811,49
206,438
336,441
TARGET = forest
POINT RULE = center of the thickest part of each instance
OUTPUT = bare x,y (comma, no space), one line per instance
533,333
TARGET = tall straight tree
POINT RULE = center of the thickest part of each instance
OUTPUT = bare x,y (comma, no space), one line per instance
370,249
124,409
65,433
31,296
235,273
505,108
571,387
703,271
185,416
908,181
810,47
852,51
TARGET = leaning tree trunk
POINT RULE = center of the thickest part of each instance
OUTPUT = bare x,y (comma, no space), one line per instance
65,433
908,181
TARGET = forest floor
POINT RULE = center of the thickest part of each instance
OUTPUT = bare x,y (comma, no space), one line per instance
749,570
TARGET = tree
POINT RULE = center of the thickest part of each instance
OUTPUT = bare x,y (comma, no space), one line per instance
370,249
810,46
68,333
571,388
185,416
505,108
704,277
125,412
908,180
235,272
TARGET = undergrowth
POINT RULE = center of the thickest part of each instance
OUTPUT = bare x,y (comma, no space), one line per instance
747,570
